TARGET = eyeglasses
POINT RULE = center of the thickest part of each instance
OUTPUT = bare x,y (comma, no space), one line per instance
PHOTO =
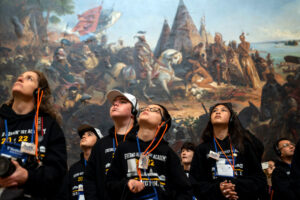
151,109
287,145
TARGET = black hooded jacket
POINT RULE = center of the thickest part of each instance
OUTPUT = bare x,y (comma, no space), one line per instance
44,179
249,179
75,178
295,171
281,182
165,172
99,163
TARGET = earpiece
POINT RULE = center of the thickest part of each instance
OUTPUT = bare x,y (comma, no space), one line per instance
232,115
36,91
134,110
164,123
276,146
277,150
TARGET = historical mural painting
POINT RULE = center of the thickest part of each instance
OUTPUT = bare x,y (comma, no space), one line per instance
187,55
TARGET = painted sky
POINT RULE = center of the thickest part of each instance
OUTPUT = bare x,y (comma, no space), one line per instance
262,20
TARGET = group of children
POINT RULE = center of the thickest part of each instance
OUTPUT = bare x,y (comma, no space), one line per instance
133,161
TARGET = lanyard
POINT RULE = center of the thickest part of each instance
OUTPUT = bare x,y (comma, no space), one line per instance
138,145
34,132
6,132
35,126
146,152
16,144
232,152
114,145
85,162
117,138
137,165
139,171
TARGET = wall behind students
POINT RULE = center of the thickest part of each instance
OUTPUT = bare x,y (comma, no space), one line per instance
196,52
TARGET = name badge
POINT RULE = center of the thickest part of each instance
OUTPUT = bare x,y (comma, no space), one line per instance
13,151
81,197
80,188
28,148
143,162
213,155
224,169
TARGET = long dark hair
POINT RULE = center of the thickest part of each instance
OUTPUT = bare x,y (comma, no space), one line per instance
235,128
47,105
166,117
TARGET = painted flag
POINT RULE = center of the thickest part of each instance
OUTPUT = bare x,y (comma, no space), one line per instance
88,21
107,19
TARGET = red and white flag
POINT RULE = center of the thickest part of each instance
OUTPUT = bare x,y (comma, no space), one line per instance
88,21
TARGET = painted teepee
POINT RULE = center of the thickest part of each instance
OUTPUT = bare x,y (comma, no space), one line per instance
163,38
184,34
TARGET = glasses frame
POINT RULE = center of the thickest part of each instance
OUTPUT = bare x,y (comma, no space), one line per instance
153,109
287,145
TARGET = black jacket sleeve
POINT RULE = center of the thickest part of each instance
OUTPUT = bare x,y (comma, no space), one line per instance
253,182
200,176
257,145
65,193
281,184
90,175
116,177
178,180
295,171
46,179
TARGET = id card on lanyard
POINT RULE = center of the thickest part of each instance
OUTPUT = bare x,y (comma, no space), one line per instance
224,168
144,166
15,150
80,192
225,164
80,186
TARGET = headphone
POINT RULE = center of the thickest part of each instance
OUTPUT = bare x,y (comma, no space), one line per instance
229,107
232,115
277,150
164,120
134,110
37,90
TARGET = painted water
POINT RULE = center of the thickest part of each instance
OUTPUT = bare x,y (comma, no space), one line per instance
277,51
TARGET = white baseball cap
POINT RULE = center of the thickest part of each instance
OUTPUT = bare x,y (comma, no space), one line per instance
112,94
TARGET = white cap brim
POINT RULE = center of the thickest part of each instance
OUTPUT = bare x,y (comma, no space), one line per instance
111,95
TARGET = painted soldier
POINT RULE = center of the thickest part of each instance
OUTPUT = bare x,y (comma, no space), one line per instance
144,58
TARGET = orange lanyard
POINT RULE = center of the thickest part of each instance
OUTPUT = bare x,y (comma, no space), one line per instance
146,153
39,100
124,136
231,164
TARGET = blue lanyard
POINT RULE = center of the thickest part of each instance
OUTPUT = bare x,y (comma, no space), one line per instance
33,130
6,136
114,145
155,192
85,162
138,145
16,144
216,149
6,133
